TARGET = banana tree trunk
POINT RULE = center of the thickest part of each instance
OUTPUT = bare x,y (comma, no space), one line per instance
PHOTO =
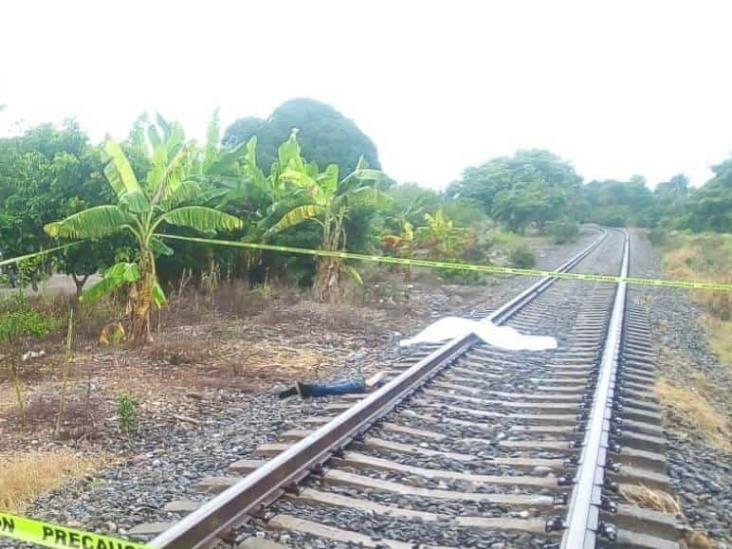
141,300
327,284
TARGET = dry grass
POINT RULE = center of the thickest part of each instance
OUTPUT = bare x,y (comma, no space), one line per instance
698,540
24,477
255,365
692,409
648,498
720,338
707,258
264,356
680,263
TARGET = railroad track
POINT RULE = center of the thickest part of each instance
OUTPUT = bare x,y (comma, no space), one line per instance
469,445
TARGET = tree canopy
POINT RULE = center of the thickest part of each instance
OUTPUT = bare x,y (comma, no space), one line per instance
325,135
532,186
47,173
618,203
710,208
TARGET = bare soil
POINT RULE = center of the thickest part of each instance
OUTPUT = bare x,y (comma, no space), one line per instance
234,340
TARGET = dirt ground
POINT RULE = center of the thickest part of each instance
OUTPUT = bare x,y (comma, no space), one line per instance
236,340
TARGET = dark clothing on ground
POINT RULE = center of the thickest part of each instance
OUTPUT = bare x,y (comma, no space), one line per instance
342,387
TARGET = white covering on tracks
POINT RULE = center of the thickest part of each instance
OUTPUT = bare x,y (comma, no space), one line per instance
503,337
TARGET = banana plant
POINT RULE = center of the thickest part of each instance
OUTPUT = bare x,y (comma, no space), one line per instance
172,182
401,240
440,236
325,199
401,243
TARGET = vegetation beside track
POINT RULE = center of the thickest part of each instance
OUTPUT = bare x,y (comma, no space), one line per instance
214,346
695,400
23,476
707,257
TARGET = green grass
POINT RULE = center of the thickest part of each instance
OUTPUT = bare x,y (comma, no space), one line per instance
501,238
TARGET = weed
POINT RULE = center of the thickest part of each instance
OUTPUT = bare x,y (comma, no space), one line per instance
522,257
502,238
112,334
18,325
657,237
467,278
126,412
562,232
262,290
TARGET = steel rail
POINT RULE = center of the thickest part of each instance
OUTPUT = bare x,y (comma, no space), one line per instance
583,518
251,494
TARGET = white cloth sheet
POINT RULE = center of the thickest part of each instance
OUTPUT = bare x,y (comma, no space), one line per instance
503,337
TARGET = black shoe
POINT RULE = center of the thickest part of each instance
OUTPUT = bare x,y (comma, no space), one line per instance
292,391
304,390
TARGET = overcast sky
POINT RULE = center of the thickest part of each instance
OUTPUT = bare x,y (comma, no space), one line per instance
616,87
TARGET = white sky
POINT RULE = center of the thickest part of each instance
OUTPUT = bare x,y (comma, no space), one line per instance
617,87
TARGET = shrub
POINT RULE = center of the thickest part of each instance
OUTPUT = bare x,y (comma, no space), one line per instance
499,238
465,212
466,278
126,412
16,325
22,322
522,257
564,231
658,237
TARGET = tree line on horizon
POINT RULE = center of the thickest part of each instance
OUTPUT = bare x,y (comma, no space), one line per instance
49,173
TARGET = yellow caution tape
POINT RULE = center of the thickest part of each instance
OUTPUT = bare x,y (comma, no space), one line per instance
38,254
60,537
452,265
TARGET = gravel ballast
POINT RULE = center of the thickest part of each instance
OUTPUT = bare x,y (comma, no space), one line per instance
163,459
701,472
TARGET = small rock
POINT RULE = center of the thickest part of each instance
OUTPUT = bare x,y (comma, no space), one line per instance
542,470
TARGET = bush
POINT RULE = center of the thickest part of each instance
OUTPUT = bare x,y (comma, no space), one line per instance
464,278
465,212
22,320
126,412
658,237
522,257
564,231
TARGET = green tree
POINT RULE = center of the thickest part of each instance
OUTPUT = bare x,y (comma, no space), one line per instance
47,173
409,203
530,187
326,200
242,130
325,135
710,208
176,168
671,198
619,203
671,194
